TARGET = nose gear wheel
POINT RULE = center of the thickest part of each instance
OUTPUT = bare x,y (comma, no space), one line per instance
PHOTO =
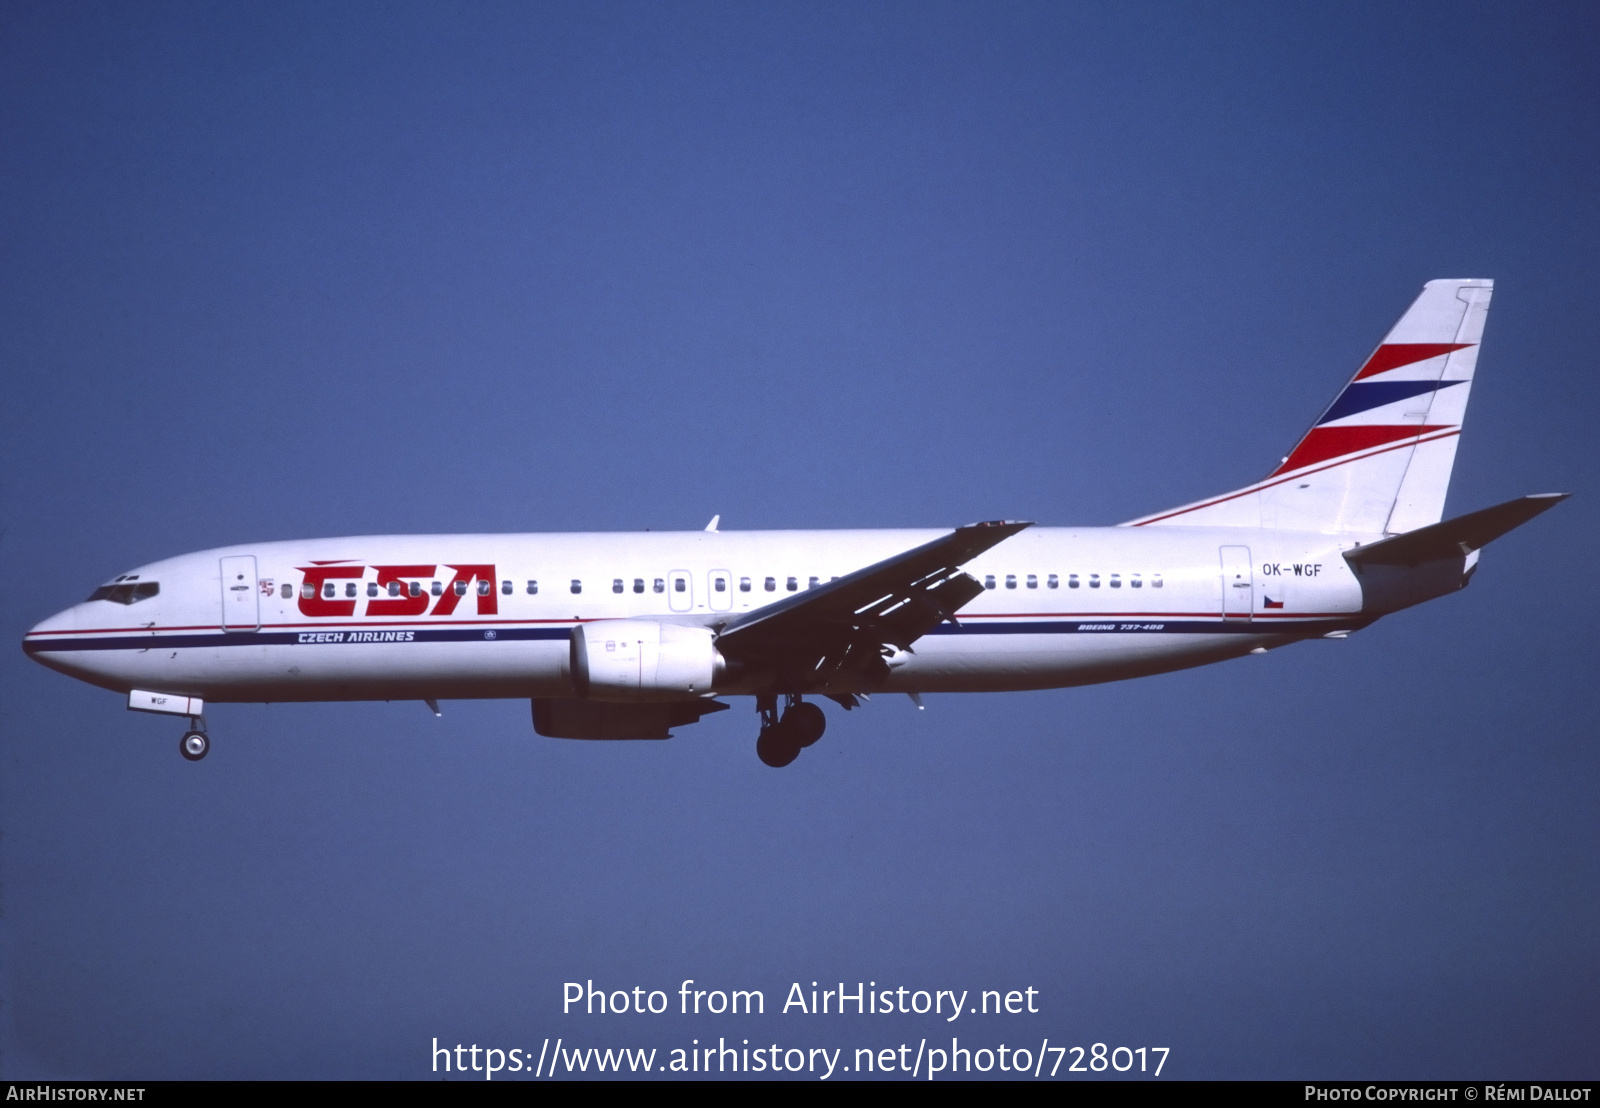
194,745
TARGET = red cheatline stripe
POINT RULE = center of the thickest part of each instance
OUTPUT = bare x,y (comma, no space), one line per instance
1393,355
368,624
1322,443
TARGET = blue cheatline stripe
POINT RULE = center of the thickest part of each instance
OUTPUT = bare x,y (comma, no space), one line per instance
1363,396
357,636
1148,626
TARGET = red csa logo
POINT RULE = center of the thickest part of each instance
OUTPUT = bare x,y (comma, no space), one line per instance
399,590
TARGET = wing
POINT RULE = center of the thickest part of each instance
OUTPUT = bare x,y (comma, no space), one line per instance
848,625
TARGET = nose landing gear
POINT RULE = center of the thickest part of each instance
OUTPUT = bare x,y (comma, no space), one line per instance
782,738
195,744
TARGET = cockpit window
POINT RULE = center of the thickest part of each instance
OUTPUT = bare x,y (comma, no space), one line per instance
127,593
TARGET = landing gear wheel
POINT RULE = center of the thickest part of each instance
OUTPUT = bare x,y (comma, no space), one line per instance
806,722
194,745
777,746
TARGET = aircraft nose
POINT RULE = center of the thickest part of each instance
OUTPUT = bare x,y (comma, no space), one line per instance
62,623
64,620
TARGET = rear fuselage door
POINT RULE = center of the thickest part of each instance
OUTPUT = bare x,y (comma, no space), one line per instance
1238,590
680,590
241,607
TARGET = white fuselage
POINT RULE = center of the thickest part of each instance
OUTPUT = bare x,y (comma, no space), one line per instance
336,619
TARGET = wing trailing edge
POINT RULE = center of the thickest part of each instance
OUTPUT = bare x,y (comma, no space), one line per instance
849,624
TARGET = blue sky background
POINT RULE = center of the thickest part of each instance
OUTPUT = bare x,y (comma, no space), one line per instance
278,271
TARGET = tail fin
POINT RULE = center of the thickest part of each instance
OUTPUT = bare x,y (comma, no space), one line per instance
1379,459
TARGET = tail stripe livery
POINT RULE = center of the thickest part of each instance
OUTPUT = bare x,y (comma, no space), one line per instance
1378,461
1393,355
1363,398
1322,443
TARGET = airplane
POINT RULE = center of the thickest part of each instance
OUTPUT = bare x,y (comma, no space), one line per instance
628,635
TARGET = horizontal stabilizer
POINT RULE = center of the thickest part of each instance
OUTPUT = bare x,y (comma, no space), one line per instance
1454,537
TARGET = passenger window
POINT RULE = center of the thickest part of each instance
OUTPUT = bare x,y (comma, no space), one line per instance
638,584
372,588
1072,580
1155,580
436,589
484,588
1116,580
1094,580
1052,581
616,584
1135,583
660,585
1033,580
415,588
577,586
812,583
533,588
772,584
307,591
720,584
1011,580
350,589
288,591
792,585
505,588
680,584
328,590
461,588
988,581
744,584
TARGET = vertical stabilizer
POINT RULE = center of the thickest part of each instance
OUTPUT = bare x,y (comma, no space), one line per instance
1379,459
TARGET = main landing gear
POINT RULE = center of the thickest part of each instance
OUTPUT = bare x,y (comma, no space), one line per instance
195,744
782,738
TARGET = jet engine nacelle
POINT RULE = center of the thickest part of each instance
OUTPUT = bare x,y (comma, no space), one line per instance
642,660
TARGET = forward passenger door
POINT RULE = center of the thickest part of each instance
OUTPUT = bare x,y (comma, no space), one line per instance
241,606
